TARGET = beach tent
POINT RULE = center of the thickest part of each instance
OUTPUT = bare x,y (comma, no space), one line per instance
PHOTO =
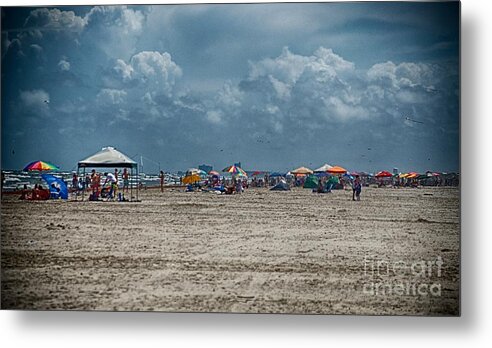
311,182
281,186
333,180
324,168
302,171
109,157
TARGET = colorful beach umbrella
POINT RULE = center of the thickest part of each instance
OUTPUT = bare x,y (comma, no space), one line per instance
384,174
337,170
235,171
302,171
213,173
40,166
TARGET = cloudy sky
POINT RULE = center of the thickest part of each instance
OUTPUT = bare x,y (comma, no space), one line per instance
367,86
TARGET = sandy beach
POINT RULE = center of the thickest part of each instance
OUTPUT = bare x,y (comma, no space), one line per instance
261,251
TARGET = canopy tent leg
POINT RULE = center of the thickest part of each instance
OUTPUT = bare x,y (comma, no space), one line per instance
85,188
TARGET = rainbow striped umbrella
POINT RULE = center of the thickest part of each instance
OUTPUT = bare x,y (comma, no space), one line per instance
40,166
235,170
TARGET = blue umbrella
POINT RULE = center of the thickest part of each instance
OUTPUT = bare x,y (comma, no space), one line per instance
348,176
57,187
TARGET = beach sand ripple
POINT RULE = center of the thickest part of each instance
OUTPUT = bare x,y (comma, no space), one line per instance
259,252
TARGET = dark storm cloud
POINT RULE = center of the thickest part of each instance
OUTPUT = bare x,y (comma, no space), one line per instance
272,85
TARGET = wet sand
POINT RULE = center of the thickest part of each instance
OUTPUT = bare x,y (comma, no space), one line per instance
258,252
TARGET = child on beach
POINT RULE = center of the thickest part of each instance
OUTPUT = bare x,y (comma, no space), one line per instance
356,188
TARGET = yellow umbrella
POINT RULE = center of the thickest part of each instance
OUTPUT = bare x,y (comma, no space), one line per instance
190,179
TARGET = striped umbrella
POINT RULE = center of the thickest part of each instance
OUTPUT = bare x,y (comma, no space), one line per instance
235,171
40,166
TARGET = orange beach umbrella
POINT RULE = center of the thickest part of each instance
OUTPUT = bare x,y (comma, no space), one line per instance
337,170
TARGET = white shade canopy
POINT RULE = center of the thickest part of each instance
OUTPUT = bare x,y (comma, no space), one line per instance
108,157
323,168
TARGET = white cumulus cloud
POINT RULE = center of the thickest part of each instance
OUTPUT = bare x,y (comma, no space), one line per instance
64,65
109,96
152,70
35,100
44,18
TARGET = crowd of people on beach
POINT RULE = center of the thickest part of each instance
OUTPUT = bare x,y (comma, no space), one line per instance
112,186
107,190
237,185
234,185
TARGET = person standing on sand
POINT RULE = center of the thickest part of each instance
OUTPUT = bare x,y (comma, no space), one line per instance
87,182
356,188
162,180
75,183
126,181
94,181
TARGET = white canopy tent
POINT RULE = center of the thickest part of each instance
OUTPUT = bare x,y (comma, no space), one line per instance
109,157
323,168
